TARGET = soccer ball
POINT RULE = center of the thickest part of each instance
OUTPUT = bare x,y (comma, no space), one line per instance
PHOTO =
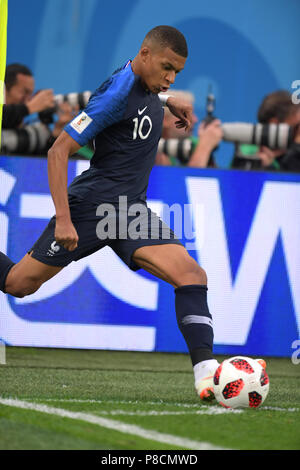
240,382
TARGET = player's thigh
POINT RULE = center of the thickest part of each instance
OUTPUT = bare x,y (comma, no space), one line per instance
28,275
170,262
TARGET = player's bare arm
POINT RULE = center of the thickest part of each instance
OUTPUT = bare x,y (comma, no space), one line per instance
58,155
181,109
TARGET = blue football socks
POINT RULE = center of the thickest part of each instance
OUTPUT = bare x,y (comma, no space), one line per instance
195,321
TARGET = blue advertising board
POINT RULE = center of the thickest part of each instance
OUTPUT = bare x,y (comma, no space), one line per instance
242,227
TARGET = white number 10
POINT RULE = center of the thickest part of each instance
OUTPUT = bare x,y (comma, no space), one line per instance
138,127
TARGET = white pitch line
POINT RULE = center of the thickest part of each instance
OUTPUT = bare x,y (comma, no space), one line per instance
213,410
119,426
136,402
204,409
117,402
277,408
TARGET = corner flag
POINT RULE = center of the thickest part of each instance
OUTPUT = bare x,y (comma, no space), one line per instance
3,39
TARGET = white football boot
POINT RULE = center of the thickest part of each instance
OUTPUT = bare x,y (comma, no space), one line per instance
205,372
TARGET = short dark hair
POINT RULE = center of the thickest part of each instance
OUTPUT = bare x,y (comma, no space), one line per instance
11,73
276,105
168,36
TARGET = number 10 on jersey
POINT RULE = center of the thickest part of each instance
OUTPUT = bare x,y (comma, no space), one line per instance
138,127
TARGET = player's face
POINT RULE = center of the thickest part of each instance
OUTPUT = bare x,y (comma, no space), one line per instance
160,67
21,91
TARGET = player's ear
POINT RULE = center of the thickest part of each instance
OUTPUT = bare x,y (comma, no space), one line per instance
145,53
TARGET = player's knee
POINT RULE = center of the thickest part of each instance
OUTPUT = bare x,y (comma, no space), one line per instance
191,273
20,290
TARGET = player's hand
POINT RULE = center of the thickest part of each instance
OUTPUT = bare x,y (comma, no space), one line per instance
44,99
183,110
65,234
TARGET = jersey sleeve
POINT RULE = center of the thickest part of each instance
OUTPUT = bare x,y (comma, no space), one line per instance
105,107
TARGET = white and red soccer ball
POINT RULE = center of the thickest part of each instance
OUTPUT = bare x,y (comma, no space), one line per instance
241,382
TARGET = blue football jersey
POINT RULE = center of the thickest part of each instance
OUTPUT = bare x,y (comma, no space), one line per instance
124,121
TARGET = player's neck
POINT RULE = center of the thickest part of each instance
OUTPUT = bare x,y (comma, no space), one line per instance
137,70
135,66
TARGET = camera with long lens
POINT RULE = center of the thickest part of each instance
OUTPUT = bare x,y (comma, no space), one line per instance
31,139
79,100
181,149
274,136
252,137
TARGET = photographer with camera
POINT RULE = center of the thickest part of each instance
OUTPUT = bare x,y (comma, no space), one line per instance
273,143
20,102
278,107
176,149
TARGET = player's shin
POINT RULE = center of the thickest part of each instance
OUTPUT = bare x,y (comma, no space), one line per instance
5,266
195,323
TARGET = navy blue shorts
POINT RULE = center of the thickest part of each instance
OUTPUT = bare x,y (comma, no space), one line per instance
123,231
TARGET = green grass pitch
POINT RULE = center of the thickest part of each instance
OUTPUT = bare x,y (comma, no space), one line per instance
74,399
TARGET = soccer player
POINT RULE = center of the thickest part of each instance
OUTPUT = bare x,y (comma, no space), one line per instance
124,119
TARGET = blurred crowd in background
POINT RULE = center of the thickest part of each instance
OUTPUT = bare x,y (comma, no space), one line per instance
32,120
